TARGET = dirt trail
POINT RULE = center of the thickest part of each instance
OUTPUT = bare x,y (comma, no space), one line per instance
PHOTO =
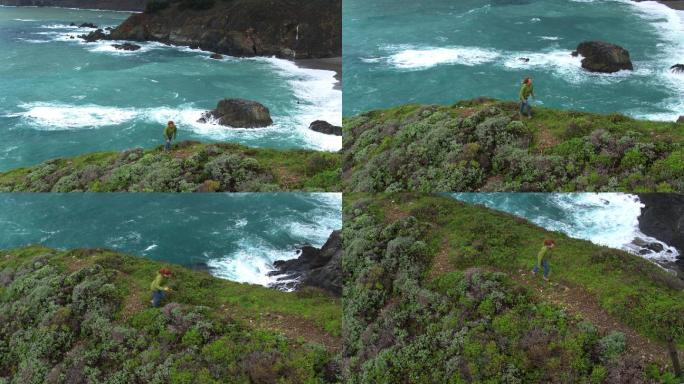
546,139
295,328
576,301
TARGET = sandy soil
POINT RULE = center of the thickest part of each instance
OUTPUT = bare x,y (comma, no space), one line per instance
330,64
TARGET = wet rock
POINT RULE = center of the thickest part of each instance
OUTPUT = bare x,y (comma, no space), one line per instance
604,57
314,267
677,68
126,47
88,25
524,59
325,127
94,36
239,113
662,217
303,29
216,56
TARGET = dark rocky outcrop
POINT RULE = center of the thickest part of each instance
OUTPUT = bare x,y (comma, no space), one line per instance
663,218
325,127
239,113
677,68
286,29
116,5
126,47
603,57
88,25
94,36
216,56
314,267
647,246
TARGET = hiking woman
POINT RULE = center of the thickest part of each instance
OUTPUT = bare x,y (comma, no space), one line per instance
543,258
169,134
159,291
526,90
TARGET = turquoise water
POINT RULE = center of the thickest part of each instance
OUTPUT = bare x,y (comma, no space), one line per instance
63,97
610,219
237,236
441,51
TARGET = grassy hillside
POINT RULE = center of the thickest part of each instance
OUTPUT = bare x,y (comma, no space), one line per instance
84,316
440,291
188,167
482,145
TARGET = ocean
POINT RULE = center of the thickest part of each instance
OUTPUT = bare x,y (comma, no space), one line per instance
610,219
440,51
237,236
63,97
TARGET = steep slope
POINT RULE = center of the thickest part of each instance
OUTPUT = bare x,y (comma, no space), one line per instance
482,145
84,316
284,28
440,291
115,5
188,167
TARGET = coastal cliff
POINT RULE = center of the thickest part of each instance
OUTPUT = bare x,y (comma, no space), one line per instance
291,29
114,5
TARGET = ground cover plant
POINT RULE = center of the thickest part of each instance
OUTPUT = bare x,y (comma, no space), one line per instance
482,145
440,291
188,167
83,316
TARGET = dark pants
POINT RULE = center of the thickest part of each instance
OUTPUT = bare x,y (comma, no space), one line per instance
525,104
157,297
545,266
167,145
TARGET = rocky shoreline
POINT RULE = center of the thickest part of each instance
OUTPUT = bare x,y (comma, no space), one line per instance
107,5
663,218
674,4
299,29
315,267
329,64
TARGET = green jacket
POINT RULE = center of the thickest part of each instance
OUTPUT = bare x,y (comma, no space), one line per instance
157,283
543,254
526,91
170,132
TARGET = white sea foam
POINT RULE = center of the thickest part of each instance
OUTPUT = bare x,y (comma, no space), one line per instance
411,58
34,41
48,116
314,89
669,23
254,257
610,219
251,263
317,100
560,62
151,247
26,20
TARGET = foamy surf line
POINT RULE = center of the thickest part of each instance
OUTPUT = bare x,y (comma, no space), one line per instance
253,261
669,23
313,88
318,100
608,219
405,57
64,117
